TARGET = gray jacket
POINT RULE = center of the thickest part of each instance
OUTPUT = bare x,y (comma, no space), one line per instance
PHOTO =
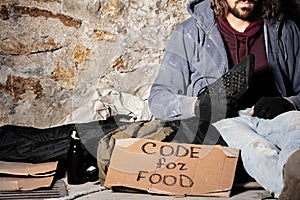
196,57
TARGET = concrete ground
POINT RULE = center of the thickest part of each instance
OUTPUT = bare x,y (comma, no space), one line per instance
93,191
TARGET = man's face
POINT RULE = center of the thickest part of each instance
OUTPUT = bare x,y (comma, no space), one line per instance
243,9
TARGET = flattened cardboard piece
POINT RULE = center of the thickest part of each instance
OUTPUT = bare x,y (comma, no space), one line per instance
172,168
8,185
26,176
13,183
25,169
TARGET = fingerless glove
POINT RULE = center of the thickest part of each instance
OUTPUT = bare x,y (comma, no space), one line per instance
270,107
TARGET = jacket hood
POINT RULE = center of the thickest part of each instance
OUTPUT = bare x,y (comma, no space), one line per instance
202,12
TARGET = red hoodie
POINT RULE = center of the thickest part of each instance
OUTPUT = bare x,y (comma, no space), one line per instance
241,44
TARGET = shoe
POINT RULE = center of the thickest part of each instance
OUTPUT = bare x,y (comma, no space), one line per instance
291,177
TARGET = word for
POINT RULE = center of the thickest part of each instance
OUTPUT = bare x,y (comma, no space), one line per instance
170,165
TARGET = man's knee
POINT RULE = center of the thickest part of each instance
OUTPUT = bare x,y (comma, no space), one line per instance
290,120
261,146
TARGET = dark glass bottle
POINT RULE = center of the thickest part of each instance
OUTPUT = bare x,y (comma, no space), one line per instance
75,171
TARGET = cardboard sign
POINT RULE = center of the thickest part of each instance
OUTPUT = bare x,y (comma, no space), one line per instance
172,168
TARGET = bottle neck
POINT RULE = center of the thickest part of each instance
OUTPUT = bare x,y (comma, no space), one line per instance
75,140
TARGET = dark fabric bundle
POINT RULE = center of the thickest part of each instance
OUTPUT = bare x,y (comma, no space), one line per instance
32,144
28,144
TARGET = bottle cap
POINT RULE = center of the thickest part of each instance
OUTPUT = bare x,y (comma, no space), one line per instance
74,135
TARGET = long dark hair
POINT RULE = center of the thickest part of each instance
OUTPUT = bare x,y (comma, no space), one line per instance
268,9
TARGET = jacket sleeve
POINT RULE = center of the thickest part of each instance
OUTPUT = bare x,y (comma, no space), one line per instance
168,98
292,46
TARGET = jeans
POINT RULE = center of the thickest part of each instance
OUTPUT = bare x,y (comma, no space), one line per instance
265,144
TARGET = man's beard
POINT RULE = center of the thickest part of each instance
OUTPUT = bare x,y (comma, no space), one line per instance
248,14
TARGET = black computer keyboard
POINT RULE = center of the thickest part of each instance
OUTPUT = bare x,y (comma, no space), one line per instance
235,82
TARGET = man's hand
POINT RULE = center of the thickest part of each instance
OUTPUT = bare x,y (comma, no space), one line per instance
213,108
270,107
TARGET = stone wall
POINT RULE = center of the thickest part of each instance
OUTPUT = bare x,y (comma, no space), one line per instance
65,61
